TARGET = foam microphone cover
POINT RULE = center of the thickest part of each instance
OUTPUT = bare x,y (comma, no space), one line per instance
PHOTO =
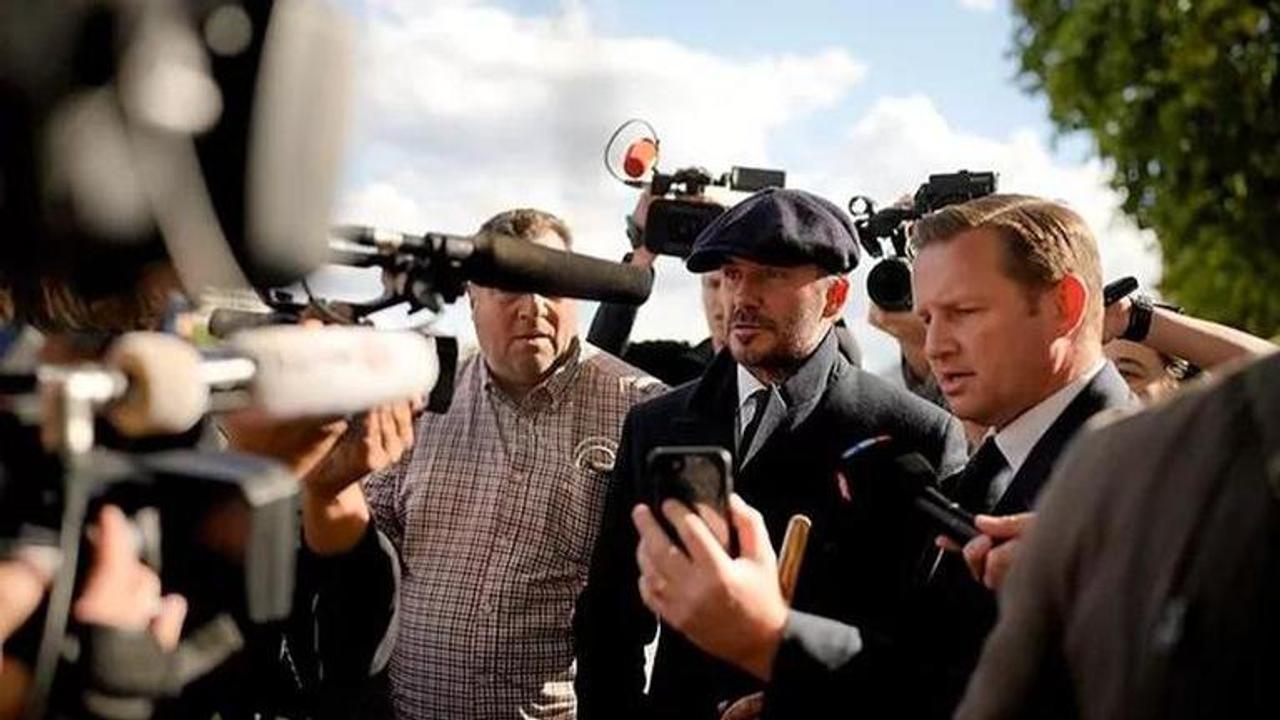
335,370
521,266
640,157
166,395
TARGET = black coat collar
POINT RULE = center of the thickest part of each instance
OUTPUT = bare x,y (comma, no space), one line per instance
710,411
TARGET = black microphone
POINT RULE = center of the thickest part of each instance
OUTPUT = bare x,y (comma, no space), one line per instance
520,266
1117,289
498,261
883,474
224,322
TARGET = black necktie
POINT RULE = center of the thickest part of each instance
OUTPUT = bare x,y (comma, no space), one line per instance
759,403
973,485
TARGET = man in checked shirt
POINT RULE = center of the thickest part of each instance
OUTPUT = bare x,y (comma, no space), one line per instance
496,507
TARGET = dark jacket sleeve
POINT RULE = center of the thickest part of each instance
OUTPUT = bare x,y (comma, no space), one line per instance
611,327
345,624
814,649
611,625
824,664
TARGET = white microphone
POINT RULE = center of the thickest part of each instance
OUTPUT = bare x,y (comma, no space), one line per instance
286,372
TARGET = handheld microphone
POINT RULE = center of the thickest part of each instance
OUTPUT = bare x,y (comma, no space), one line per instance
283,371
881,473
640,157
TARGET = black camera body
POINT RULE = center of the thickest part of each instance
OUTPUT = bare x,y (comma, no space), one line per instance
889,282
675,222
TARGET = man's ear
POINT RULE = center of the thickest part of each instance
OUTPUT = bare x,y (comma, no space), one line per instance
837,294
1072,300
470,289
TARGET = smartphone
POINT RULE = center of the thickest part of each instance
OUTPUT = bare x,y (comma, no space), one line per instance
701,477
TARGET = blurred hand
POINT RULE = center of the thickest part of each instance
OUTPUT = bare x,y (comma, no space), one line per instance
121,592
746,708
22,586
642,256
299,444
640,214
372,442
1115,319
908,329
729,607
991,554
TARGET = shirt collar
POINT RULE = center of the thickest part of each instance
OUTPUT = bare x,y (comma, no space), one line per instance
552,390
1018,438
747,385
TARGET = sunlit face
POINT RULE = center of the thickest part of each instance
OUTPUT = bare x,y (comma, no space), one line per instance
988,338
523,336
1143,368
713,303
777,315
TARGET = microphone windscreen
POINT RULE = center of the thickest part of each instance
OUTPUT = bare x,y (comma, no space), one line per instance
640,157
166,394
334,370
521,266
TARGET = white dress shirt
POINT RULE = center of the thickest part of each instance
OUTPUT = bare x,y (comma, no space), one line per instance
1018,438
747,405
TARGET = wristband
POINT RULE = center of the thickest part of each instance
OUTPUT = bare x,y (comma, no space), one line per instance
1140,311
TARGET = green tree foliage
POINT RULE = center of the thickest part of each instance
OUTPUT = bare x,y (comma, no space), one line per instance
1183,96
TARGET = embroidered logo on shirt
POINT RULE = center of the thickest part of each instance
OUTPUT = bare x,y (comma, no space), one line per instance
596,453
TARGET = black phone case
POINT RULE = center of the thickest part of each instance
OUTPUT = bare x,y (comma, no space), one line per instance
691,474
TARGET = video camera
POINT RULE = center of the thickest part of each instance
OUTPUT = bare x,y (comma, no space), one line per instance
675,219
889,282
203,139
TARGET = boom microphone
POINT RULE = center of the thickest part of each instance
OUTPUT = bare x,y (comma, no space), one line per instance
521,266
881,473
224,322
499,261
283,371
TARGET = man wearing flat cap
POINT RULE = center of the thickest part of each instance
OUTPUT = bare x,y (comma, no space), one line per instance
785,404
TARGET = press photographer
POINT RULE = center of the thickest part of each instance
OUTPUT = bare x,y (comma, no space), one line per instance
675,209
889,282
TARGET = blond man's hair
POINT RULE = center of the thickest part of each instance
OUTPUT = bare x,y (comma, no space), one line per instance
1043,241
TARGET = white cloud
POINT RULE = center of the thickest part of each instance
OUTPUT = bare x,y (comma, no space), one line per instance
980,5
469,110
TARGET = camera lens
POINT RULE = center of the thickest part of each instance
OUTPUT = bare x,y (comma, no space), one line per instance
889,285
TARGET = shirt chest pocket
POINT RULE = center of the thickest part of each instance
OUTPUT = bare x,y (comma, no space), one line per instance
577,504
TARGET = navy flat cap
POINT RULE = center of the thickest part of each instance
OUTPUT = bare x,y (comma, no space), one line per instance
779,227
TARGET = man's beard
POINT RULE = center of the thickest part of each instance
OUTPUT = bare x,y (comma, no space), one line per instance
775,356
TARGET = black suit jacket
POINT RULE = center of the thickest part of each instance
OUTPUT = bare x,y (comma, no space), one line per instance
793,471
916,662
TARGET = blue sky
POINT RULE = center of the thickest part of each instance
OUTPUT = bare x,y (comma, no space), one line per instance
957,56
469,107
